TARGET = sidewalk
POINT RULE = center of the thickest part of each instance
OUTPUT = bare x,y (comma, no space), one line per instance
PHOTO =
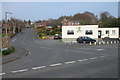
19,53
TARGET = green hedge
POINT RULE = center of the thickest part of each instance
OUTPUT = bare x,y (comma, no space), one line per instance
9,51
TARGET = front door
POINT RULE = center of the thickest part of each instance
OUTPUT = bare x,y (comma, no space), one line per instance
99,34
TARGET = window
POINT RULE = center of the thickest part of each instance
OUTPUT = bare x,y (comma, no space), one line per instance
107,31
89,32
70,32
113,31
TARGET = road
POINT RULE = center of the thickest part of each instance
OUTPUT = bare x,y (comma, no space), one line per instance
52,59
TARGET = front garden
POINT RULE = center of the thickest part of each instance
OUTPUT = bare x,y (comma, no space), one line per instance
48,32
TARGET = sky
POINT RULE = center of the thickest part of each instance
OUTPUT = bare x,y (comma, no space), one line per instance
52,10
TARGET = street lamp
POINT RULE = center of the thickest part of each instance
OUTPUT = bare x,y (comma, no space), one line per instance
6,20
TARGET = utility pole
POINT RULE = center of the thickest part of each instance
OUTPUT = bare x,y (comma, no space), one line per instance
6,21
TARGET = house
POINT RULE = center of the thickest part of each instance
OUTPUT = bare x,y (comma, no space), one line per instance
71,33
65,22
38,25
74,23
108,32
48,27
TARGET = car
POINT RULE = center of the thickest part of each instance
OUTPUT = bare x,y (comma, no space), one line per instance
60,37
82,39
56,37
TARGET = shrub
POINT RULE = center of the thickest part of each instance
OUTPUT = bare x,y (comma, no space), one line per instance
5,52
9,51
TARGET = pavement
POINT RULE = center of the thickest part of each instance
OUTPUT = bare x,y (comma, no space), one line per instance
52,59
19,53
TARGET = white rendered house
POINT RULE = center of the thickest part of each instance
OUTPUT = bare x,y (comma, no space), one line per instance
71,33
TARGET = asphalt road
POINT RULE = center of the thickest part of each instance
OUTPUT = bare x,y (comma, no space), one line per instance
53,59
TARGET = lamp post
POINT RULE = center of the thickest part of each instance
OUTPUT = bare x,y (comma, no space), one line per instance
14,27
6,21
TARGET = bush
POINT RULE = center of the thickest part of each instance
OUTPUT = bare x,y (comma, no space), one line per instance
3,34
5,52
9,51
40,35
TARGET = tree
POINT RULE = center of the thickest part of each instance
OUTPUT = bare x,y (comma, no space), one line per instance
104,16
83,18
106,20
29,22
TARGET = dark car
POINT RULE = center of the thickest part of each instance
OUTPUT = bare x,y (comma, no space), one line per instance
85,39
60,37
56,37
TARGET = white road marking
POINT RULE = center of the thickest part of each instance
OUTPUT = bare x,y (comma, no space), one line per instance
102,56
94,58
58,64
22,70
38,67
79,52
82,60
46,47
14,71
2,74
70,62
67,50
85,59
91,49
100,49
86,48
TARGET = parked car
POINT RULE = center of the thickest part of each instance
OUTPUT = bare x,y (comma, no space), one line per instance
82,39
57,37
60,37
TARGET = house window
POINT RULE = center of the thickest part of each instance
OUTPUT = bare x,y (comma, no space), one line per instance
107,31
89,32
113,31
70,32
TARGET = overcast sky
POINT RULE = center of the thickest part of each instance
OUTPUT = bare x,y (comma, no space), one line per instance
47,10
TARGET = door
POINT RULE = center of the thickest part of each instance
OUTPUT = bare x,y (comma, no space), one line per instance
99,34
